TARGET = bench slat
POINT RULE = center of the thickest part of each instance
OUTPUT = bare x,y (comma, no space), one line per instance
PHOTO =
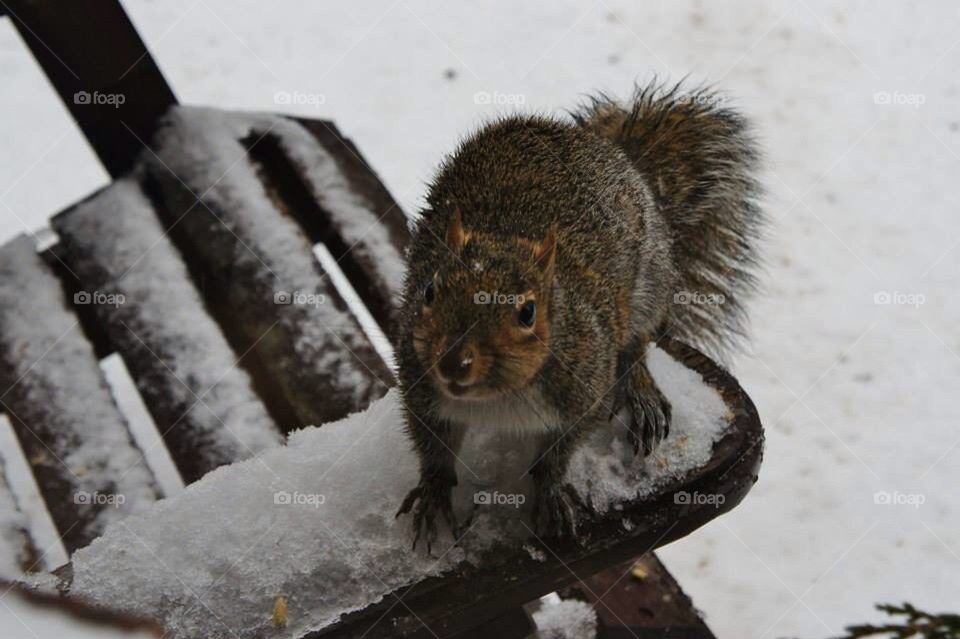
60,405
17,553
248,248
191,381
640,597
340,201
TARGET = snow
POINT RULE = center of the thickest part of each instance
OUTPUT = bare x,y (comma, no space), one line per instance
87,439
314,521
119,231
566,619
877,213
699,415
355,219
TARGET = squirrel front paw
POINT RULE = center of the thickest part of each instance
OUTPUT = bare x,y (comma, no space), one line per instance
556,511
428,500
649,412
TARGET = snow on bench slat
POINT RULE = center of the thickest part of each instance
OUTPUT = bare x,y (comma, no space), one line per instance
201,401
60,405
314,348
46,540
313,522
370,235
16,552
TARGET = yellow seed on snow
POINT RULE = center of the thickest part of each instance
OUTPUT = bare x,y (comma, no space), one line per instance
280,612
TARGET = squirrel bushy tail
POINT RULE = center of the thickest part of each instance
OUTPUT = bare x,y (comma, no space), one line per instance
699,159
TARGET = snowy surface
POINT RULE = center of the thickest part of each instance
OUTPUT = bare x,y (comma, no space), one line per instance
119,231
314,522
565,619
862,196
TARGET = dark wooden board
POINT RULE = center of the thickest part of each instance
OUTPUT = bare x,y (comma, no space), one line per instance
640,598
90,51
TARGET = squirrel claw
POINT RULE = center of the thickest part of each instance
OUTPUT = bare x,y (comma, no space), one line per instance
427,502
557,512
649,420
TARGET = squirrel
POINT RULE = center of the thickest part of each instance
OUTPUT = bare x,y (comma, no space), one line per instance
549,255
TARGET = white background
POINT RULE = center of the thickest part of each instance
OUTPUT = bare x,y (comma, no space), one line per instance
856,397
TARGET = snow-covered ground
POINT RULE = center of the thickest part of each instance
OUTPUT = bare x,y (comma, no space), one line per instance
857,106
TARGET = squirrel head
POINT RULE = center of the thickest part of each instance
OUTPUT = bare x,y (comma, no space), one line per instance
481,326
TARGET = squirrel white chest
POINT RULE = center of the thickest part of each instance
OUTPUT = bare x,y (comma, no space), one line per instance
526,414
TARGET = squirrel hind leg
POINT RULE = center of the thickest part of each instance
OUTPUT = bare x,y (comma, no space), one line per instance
650,411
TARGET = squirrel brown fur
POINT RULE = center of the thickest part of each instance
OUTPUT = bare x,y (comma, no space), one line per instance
550,254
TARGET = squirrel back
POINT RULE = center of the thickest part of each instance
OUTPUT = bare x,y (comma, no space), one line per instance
699,159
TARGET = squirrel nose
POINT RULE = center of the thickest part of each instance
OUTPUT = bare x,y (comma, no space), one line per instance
455,365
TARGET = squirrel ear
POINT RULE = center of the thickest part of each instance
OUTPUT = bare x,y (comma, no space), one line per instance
456,236
545,251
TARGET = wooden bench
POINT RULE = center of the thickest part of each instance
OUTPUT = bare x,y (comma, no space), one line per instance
184,278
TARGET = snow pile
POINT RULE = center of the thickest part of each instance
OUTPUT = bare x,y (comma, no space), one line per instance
698,410
566,619
313,522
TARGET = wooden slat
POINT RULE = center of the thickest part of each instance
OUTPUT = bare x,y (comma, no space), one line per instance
513,624
192,382
91,53
60,406
640,598
339,201
248,250
470,598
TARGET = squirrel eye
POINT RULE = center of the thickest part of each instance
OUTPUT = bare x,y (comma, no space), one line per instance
428,293
528,313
